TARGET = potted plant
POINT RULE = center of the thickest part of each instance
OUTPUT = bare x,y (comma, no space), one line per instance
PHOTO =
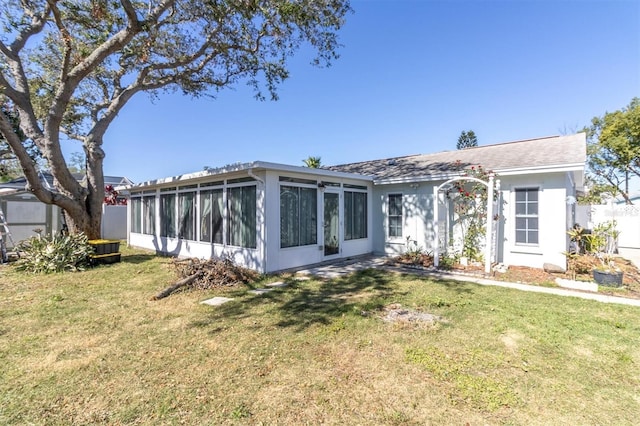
601,243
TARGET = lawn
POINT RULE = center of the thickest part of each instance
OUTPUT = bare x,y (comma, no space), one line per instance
92,348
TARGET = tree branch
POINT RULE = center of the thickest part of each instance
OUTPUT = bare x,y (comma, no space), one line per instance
26,162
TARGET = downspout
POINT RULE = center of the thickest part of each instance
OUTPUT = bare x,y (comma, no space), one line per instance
251,174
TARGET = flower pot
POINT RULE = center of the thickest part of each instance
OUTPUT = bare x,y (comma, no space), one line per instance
608,278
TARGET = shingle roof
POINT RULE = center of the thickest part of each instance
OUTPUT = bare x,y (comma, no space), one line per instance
549,152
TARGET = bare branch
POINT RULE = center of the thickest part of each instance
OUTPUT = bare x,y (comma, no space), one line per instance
37,24
66,39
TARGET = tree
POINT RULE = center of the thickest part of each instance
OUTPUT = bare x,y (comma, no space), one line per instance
467,140
69,67
613,152
312,162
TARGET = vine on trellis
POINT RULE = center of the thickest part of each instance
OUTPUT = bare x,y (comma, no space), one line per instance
469,199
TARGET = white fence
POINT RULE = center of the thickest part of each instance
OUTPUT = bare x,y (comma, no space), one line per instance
114,222
627,219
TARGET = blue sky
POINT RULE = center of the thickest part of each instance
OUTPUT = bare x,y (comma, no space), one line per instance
412,75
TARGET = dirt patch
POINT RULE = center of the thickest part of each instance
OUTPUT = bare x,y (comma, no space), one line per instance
396,314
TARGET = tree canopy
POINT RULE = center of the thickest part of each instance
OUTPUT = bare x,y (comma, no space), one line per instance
467,140
68,67
613,152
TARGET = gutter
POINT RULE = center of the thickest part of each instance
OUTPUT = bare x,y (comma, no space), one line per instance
251,174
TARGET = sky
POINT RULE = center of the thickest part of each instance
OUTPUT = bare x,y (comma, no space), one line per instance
412,75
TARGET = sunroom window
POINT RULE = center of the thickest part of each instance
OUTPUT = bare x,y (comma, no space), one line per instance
242,216
149,215
136,214
298,216
211,208
355,215
168,215
187,215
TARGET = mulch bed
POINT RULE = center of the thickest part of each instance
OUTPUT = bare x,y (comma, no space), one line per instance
536,276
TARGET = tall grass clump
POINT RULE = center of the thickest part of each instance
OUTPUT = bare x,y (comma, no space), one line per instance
55,253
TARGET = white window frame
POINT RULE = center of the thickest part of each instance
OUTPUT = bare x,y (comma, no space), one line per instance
401,216
517,216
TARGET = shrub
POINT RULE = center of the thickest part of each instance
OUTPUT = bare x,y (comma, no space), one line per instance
57,253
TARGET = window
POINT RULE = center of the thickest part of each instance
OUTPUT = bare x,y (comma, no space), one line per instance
242,216
211,208
187,215
298,216
527,216
355,215
136,215
168,215
149,211
395,215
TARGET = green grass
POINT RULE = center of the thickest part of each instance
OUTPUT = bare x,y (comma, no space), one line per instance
92,348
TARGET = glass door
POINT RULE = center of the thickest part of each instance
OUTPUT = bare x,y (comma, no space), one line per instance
331,224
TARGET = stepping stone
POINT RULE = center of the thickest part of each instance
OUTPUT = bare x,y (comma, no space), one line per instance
260,291
216,301
277,284
302,278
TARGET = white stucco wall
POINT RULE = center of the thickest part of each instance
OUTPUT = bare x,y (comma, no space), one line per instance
417,209
553,219
267,256
291,257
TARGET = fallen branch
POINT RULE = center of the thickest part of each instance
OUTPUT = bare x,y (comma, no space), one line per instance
199,274
167,291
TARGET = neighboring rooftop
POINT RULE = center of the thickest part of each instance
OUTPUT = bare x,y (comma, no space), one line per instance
47,178
542,153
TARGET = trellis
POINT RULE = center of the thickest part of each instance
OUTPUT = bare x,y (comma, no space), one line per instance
489,220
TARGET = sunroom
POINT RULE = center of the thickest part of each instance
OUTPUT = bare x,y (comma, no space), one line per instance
263,216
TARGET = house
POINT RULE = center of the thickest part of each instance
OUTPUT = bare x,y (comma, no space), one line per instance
271,217
24,212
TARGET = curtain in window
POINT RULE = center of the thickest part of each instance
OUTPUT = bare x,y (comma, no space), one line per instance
136,215
308,216
395,215
298,216
211,216
187,216
149,212
242,216
289,216
355,212
359,215
168,215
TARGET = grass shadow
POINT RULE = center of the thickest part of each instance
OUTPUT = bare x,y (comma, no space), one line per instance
302,304
138,258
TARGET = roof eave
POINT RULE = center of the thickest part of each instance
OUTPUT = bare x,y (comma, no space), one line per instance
499,172
569,167
242,167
